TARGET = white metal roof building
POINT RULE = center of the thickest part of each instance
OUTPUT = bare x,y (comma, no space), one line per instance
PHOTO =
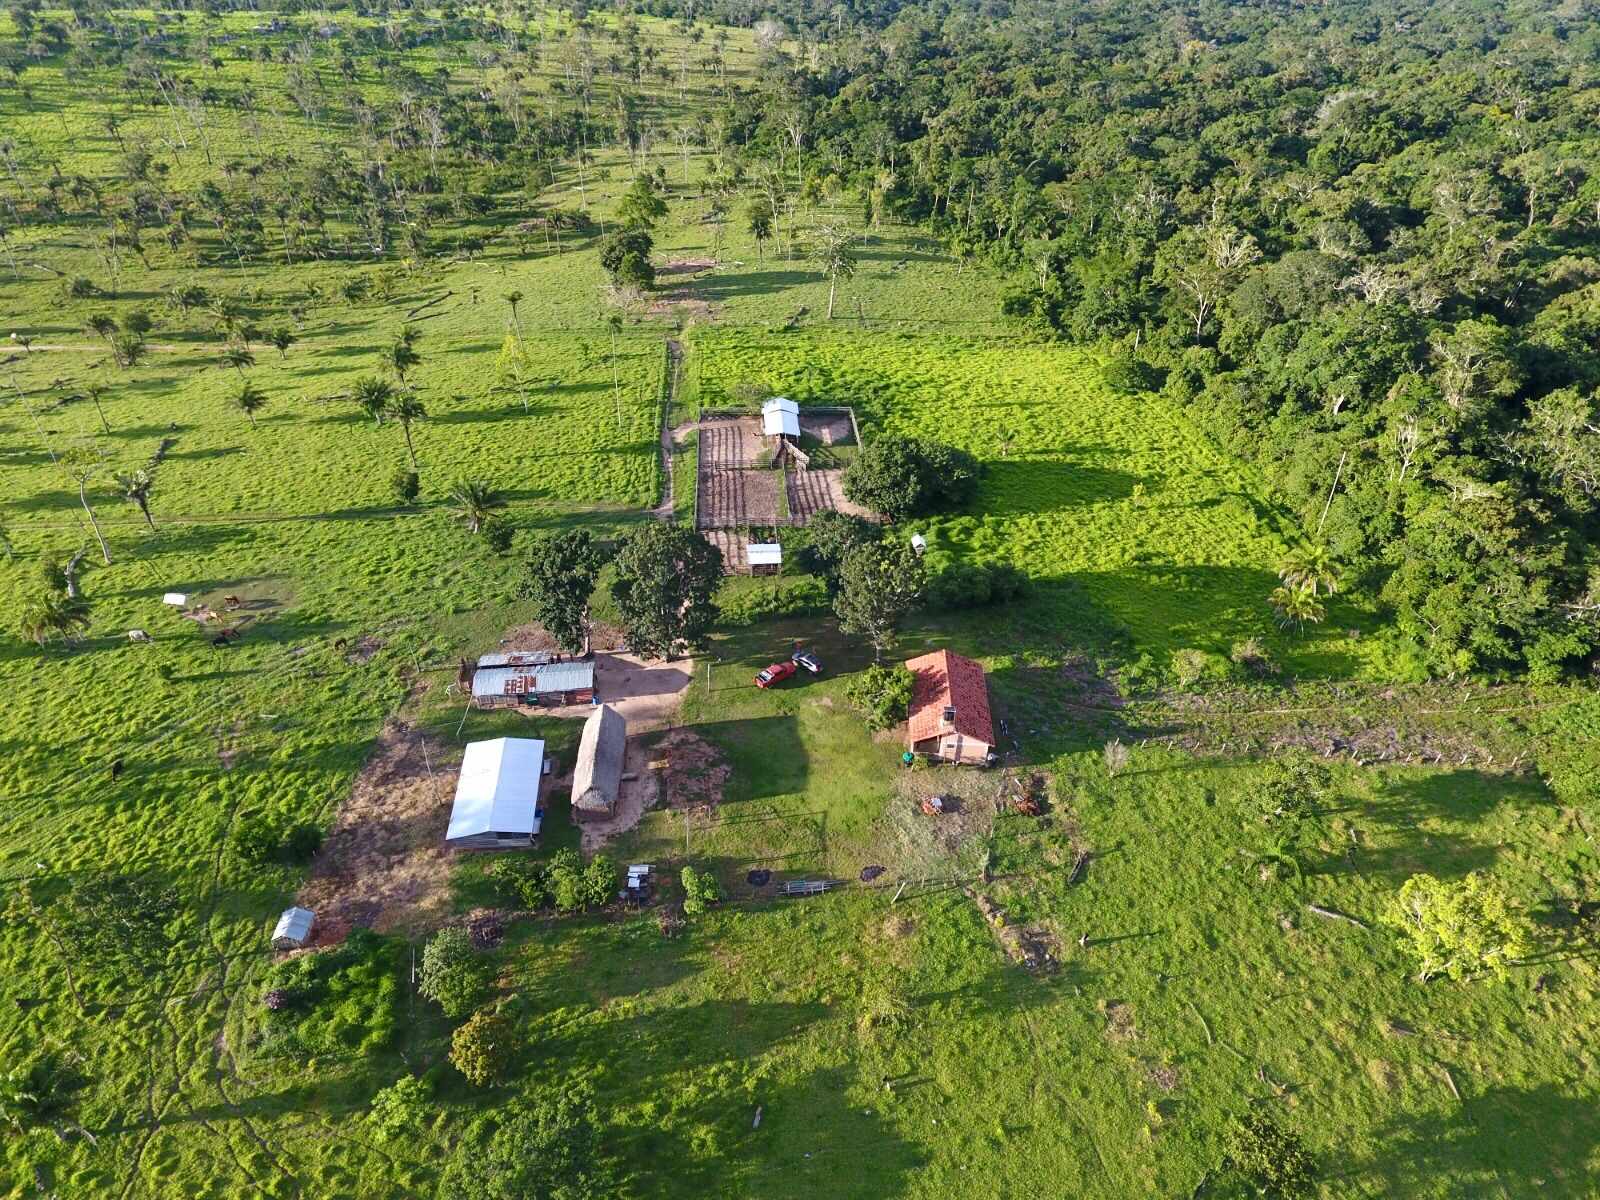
506,683
294,929
497,795
780,417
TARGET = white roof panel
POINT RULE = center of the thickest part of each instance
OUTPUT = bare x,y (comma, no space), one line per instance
295,924
780,420
498,790
764,554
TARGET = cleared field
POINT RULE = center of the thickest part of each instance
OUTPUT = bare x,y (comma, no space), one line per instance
1132,527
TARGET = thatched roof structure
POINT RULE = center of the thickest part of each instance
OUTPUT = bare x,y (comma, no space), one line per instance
597,777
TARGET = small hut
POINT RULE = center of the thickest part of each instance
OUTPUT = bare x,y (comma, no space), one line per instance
765,558
597,777
780,418
294,929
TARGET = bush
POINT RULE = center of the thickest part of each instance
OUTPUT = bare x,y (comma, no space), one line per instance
261,838
1271,1159
974,585
400,1109
829,539
882,694
1125,373
576,887
498,534
545,1146
700,891
406,485
520,881
453,976
903,477
481,1048
1190,667
1253,658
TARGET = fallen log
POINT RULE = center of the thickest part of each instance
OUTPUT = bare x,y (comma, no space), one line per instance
1333,915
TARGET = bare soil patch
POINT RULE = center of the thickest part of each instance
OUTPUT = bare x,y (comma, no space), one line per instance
695,772
384,864
831,429
1035,949
1120,1026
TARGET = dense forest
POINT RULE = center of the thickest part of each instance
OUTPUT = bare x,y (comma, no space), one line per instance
1357,242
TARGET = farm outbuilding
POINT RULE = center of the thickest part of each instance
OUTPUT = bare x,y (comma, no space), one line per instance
597,777
765,558
505,680
780,418
294,929
950,719
497,795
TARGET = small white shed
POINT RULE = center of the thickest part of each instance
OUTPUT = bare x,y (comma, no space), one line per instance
294,929
765,558
780,417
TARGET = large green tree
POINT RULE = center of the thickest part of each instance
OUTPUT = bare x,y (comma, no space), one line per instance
667,578
545,1146
879,584
905,476
558,579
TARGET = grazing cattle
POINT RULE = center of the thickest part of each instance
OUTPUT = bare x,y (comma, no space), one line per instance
138,635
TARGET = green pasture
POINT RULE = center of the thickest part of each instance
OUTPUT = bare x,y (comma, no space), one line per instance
1136,532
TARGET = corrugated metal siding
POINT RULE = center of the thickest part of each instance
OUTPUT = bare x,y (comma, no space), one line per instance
566,677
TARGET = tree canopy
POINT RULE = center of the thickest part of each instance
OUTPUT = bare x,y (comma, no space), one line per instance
666,579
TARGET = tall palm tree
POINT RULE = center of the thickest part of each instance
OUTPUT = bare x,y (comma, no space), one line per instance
249,400
83,464
135,487
514,298
406,408
475,501
95,391
101,325
403,353
52,612
373,395
238,357
282,337
1310,566
1297,606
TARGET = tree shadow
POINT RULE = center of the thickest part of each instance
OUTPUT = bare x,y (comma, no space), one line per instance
1503,1141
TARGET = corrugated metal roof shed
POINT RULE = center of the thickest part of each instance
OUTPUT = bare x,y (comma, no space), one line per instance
764,554
566,677
293,929
498,791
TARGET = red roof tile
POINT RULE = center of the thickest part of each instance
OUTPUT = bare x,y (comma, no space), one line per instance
947,680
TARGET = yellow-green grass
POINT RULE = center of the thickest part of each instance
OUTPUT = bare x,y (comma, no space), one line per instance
1126,520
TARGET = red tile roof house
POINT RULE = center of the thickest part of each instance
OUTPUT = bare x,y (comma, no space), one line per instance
950,718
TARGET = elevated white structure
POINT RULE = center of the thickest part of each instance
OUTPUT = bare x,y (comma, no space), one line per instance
780,418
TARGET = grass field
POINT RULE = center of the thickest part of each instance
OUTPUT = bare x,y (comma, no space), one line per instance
1134,530
1204,988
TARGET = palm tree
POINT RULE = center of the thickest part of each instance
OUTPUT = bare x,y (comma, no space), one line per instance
406,408
515,298
101,325
1310,566
250,401
49,612
136,487
238,357
281,338
402,354
475,501
1297,606
374,395
95,391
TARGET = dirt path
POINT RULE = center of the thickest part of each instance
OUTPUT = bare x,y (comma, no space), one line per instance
663,511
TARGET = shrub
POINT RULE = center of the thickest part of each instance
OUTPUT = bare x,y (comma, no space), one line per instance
598,883
1460,928
453,976
1190,667
520,880
902,477
481,1048
829,539
974,585
1271,1159
400,1109
406,485
261,838
1253,658
882,693
700,891
498,534
1125,373
544,1146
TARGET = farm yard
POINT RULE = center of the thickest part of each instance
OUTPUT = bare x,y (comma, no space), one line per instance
1171,905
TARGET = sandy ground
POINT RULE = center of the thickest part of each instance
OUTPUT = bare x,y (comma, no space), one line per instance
384,863
831,429
641,791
